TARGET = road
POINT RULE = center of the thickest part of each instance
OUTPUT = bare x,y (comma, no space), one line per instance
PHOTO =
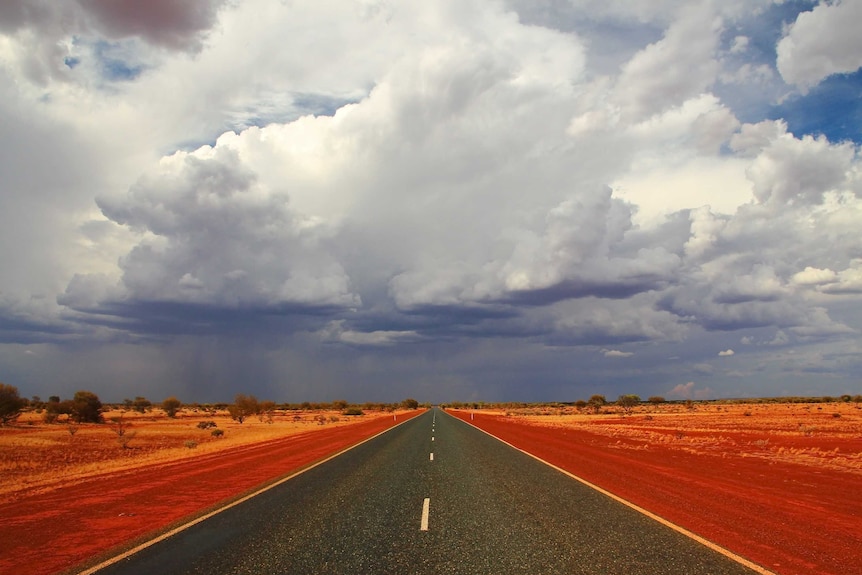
433,495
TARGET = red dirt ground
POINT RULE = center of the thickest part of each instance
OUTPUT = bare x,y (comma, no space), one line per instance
66,529
791,519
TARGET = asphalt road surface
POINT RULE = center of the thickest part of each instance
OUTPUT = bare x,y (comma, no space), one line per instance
436,496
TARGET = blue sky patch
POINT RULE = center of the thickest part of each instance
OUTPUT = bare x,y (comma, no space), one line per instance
833,108
115,63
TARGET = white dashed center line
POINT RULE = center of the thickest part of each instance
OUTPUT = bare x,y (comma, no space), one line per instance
426,508
432,457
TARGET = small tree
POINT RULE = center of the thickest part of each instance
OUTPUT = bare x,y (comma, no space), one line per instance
171,405
243,406
656,399
628,402
54,409
141,404
11,404
596,402
410,403
266,411
86,407
340,404
121,428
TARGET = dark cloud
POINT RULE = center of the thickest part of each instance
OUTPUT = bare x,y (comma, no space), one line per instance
174,24
64,41
16,14
221,238
622,288
465,314
165,318
19,329
712,312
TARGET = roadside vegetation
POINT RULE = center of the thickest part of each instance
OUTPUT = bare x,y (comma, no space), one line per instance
817,432
629,403
11,404
45,444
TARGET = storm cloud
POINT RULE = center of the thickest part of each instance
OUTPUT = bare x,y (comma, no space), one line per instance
462,200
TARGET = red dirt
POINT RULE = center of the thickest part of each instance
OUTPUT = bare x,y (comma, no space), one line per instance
64,530
791,519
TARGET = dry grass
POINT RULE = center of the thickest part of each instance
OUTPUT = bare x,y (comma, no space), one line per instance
35,456
817,434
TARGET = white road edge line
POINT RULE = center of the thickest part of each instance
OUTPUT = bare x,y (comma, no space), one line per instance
426,508
193,522
679,529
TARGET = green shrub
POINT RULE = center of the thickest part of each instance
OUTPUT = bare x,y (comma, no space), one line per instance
11,404
243,406
171,406
86,407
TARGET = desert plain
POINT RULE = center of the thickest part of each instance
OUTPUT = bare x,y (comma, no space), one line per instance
73,494
774,482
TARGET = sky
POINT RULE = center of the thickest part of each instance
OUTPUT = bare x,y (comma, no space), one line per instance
459,200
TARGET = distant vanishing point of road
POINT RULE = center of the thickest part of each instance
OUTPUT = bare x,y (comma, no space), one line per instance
431,496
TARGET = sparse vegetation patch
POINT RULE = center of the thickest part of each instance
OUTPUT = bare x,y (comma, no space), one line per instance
42,453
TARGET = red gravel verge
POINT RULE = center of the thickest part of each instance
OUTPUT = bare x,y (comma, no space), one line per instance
791,519
69,528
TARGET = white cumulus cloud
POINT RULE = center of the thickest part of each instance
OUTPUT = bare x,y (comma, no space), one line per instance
822,42
471,195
